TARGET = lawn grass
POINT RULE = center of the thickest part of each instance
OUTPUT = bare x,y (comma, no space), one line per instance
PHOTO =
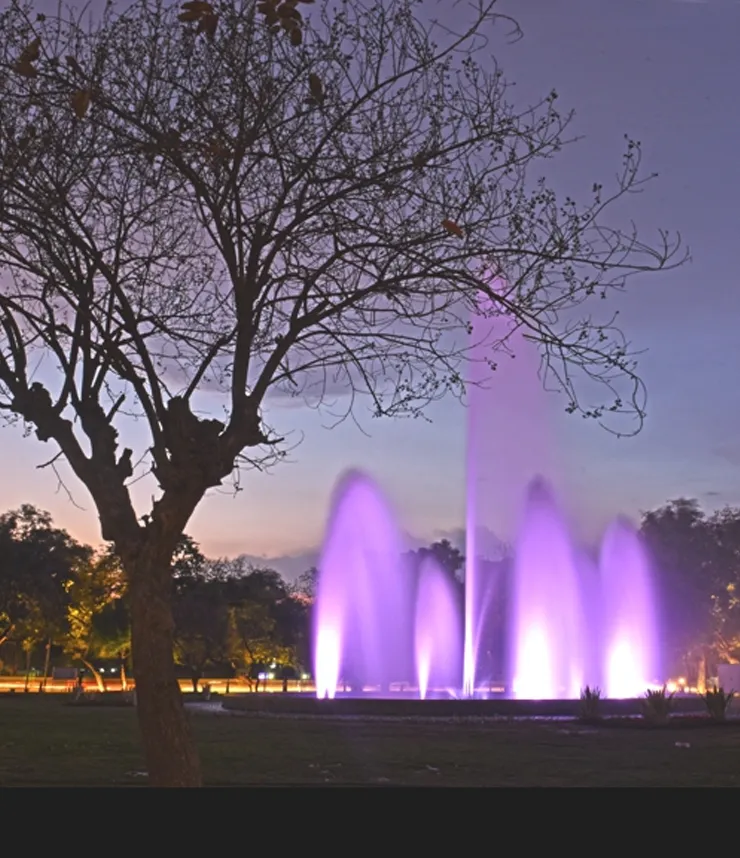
46,743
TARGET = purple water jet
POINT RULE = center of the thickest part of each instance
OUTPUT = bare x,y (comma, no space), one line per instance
363,594
437,632
549,641
506,445
629,622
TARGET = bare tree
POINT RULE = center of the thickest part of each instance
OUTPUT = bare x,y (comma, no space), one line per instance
203,206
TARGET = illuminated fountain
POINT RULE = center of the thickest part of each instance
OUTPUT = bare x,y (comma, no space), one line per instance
570,624
631,646
363,600
507,444
437,632
550,643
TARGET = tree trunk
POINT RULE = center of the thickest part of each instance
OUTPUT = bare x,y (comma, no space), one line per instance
28,669
99,681
169,748
46,663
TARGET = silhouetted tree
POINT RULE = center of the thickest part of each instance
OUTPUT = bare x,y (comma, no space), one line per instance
94,584
450,559
112,633
684,550
188,561
725,530
37,562
292,624
304,587
201,627
212,205
253,639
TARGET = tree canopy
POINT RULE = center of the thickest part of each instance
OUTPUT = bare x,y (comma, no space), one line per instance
188,211
37,562
696,559
207,209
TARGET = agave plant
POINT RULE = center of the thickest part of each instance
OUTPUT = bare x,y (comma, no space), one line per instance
590,708
718,701
657,705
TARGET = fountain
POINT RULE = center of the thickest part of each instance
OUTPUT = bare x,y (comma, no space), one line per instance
507,439
363,596
437,633
629,620
549,640
569,624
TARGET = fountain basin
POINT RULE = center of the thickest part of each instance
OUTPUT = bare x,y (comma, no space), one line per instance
412,707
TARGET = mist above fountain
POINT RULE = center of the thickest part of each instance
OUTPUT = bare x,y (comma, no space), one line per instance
380,622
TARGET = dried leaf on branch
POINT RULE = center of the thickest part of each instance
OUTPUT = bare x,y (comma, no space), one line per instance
203,13
453,228
80,102
25,64
316,88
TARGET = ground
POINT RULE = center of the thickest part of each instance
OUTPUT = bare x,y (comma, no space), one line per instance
44,742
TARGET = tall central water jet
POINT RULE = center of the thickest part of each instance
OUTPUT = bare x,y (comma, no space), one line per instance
507,443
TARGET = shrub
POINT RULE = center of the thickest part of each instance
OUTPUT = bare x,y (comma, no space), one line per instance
657,705
717,702
590,709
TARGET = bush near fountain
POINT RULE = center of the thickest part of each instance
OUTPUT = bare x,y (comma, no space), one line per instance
718,702
591,709
657,706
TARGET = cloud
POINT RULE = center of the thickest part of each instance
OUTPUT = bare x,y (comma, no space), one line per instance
290,566
730,452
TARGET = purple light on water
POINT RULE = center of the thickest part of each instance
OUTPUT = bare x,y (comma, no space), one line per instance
569,625
477,374
629,622
362,601
549,643
507,445
437,632
327,656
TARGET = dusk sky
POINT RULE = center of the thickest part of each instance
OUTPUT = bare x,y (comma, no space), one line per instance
665,72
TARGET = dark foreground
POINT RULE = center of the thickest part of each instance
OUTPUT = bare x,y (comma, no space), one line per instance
45,743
